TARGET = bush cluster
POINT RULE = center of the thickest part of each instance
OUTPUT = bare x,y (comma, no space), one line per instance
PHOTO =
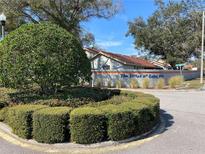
124,116
160,83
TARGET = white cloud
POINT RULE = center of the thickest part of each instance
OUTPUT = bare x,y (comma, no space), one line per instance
109,43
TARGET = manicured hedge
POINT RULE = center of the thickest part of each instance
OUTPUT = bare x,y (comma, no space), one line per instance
154,107
121,122
87,125
141,115
119,118
51,125
20,119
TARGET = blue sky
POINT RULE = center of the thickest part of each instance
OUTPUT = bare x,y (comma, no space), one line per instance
110,34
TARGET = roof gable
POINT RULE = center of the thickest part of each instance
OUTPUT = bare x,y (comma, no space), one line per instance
127,60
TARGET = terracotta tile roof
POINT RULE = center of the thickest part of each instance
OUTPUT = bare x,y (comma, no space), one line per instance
128,60
92,50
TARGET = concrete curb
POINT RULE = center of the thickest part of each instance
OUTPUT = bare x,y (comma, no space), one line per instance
104,147
161,90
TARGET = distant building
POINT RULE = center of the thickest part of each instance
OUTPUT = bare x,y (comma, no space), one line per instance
162,64
102,60
108,69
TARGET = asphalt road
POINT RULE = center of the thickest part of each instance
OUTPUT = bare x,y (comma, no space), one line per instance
184,113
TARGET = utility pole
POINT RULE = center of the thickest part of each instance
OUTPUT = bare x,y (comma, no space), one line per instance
202,50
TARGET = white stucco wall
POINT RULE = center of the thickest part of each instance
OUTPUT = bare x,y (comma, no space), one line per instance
90,55
97,64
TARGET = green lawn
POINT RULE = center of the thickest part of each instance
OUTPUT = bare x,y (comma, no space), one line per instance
194,84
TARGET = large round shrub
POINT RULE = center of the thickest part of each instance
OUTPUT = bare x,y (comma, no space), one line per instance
42,54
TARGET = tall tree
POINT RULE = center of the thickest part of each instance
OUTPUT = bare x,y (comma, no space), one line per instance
173,31
66,13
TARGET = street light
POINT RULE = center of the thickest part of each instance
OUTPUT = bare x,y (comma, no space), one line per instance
3,23
202,50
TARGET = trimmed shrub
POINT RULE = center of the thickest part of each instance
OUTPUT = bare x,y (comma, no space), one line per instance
51,125
175,81
145,83
3,114
87,125
20,119
119,84
134,83
151,113
141,116
160,83
45,55
120,122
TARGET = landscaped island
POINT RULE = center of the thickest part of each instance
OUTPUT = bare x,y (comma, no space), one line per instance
98,115
45,68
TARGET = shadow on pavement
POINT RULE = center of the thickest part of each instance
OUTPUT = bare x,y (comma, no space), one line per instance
168,119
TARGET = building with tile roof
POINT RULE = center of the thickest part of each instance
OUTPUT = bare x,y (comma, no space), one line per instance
103,60
108,69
